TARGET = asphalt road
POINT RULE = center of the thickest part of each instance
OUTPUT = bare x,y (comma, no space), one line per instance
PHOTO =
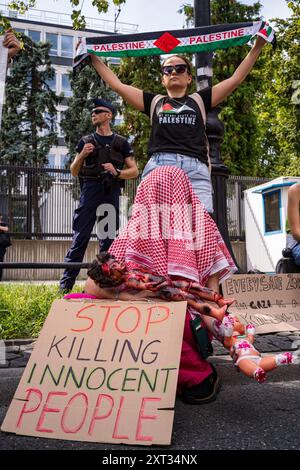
246,416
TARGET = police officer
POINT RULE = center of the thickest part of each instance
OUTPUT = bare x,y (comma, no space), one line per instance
99,164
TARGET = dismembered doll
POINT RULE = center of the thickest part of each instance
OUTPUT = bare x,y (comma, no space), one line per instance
239,339
106,271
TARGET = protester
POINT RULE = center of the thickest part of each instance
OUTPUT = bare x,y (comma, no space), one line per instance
99,164
178,132
4,242
293,228
170,233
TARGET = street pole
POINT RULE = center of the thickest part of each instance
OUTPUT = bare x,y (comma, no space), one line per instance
214,128
3,67
117,14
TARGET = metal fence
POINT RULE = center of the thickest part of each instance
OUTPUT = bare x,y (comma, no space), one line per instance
38,203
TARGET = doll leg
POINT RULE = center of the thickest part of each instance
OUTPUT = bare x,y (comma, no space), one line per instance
250,332
271,362
259,375
216,327
250,368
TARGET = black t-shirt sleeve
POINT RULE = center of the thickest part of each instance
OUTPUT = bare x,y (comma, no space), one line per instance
206,96
148,97
126,149
79,146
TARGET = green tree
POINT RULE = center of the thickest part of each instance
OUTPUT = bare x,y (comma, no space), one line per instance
278,106
28,129
77,118
239,149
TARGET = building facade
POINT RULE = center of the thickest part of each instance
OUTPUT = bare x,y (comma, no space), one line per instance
56,28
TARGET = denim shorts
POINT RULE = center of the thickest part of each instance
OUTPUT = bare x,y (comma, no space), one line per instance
196,171
296,254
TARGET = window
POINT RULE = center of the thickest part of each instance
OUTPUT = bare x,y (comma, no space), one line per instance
19,30
118,121
65,85
61,115
34,35
53,39
52,83
272,207
66,46
114,61
51,160
64,161
51,123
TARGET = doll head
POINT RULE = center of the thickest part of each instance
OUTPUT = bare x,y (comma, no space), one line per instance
106,271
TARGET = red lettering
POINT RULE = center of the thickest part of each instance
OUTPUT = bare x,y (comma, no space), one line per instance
115,436
159,318
84,318
134,309
64,427
139,436
27,399
109,308
95,414
48,410
192,40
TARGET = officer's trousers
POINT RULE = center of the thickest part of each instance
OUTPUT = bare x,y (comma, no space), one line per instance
93,194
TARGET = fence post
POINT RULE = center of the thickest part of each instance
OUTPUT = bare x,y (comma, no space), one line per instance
237,185
29,205
2,352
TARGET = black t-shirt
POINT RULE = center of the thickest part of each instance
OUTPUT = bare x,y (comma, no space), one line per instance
177,125
126,149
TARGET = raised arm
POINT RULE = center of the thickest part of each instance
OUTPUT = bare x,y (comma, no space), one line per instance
226,87
294,210
12,43
132,95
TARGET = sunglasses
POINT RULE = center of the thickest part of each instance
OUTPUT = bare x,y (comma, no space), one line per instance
179,69
99,111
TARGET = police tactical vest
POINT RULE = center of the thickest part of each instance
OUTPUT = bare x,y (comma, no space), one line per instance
92,165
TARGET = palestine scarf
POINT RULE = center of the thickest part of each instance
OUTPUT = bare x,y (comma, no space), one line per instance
202,39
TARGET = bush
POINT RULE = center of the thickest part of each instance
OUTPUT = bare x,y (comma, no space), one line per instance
24,308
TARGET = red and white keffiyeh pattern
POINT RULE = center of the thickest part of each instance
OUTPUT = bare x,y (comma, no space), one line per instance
171,233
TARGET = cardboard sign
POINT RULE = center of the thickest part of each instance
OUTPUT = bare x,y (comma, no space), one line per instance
102,371
271,303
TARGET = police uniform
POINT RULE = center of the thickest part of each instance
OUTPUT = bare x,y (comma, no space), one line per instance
97,187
